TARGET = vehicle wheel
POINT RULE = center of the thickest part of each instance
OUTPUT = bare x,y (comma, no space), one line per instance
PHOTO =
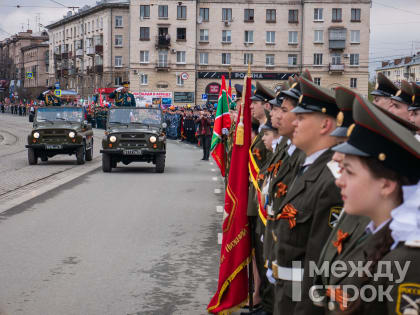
160,163
81,155
106,163
44,158
32,158
89,153
114,164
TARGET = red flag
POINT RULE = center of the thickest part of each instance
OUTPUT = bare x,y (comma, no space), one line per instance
100,99
232,290
222,121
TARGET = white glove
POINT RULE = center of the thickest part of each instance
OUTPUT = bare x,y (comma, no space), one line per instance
43,93
225,131
119,89
270,277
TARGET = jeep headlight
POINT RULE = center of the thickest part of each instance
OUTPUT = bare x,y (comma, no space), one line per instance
36,135
152,139
72,134
113,138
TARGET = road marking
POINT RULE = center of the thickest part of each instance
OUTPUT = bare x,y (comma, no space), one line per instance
217,191
213,170
211,163
214,178
219,209
219,238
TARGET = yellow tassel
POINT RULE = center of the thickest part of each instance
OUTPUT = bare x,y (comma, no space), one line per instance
240,134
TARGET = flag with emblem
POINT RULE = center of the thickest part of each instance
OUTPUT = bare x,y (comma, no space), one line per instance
235,255
222,121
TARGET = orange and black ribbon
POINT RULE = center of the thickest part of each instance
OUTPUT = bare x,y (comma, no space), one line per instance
289,212
281,190
257,153
341,236
339,297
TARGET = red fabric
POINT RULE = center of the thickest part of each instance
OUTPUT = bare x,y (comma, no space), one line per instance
232,290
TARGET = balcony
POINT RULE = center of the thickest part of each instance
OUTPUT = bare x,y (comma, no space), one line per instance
90,51
336,68
337,38
163,42
99,68
79,53
162,66
99,49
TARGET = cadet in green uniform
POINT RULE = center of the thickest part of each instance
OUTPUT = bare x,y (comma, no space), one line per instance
414,109
383,92
311,199
123,97
381,155
49,98
402,100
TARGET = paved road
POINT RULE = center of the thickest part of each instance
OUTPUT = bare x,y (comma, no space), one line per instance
128,242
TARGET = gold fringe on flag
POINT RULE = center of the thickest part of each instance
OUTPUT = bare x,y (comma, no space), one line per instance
240,129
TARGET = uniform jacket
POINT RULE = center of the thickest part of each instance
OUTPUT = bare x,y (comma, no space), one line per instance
314,196
123,99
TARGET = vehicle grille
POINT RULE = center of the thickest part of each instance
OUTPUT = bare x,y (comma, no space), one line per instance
133,144
54,132
54,139
132,136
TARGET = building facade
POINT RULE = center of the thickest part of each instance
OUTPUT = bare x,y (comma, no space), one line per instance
185,46
405,68
89,50
23,65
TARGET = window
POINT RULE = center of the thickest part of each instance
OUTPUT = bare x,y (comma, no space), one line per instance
227,14
204,58
144,79
181,34
336,15
292,60
270,16
163,11
101,22
293,37
249,37
163,58
118,40
204,35
269,60
118,61
204,14
118,81
225,58
227,36
355,37
318,36
180,57
144,56
353,83
270,37
145,11
88,28
293,16
336,59
144,33
248,59
354,59
118,21
355,15
249,15
181,12
179,80
317,81
318,14
317,59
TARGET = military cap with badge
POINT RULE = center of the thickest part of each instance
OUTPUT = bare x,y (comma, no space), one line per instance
384,87
405,94
262,93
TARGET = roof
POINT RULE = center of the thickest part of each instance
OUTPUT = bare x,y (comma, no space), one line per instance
86,10
400,62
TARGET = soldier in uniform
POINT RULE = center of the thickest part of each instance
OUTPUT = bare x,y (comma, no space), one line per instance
312,197
371,184
414,109
402,100
259,156
123,97
383,92
49,98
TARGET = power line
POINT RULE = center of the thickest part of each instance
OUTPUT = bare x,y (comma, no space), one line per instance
390,6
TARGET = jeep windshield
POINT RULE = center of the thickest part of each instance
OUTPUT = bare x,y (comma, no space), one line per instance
143,116
53,114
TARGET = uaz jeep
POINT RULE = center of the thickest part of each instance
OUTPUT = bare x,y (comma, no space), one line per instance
60,130
134,134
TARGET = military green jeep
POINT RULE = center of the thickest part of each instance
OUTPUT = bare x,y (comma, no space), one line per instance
134,135
60,130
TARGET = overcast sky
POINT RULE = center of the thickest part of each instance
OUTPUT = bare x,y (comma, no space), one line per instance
394,23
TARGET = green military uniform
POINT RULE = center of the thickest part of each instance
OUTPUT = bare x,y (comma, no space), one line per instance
50,99
305,213
123,99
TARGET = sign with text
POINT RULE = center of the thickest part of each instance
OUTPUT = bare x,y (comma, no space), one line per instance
159,99
183,97
240,75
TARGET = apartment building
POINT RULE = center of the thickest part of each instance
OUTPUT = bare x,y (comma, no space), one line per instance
23,64
89,50
185,46
405,68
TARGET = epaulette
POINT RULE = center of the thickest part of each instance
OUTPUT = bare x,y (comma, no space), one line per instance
412,243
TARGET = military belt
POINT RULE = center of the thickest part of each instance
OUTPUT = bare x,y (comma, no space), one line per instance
287,273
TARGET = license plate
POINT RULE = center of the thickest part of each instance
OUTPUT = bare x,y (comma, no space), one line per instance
53,146
132,152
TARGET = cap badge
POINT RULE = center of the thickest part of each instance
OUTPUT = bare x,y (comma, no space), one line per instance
340,119
324,110
293,85
398,93
350,130
413,98
382,157
300,99
377,86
